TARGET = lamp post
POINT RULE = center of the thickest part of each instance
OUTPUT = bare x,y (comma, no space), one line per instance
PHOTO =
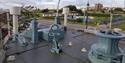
58,8
86,22
57,18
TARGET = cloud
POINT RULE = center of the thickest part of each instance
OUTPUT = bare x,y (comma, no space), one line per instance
53,3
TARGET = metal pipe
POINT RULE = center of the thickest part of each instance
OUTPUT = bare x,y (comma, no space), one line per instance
57,18
65,20
34,31
15,24
58,8
111,18
15,11
8,22
65,12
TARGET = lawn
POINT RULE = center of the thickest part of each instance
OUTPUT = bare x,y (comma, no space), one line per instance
122,26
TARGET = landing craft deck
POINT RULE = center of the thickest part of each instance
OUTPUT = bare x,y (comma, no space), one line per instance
40,53
59,45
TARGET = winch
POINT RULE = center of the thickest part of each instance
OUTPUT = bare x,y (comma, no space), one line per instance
106,50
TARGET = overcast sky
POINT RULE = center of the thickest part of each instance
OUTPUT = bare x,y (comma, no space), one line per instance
52,3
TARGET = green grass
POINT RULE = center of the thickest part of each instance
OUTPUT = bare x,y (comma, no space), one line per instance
99,18
99,14
122,26
80,21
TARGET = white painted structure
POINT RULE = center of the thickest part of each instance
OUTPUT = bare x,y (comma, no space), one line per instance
65,12
117,29
15,11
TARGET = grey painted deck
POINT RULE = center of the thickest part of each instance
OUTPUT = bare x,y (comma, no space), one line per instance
2,55
40,53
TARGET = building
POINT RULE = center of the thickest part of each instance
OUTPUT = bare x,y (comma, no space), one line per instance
123,9
91,8
3,23
98,7
53,14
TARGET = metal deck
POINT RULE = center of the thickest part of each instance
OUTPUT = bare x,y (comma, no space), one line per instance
40,53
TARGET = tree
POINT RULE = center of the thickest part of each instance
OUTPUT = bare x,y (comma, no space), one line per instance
72,7
45,10
60,11
118,9
80,12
